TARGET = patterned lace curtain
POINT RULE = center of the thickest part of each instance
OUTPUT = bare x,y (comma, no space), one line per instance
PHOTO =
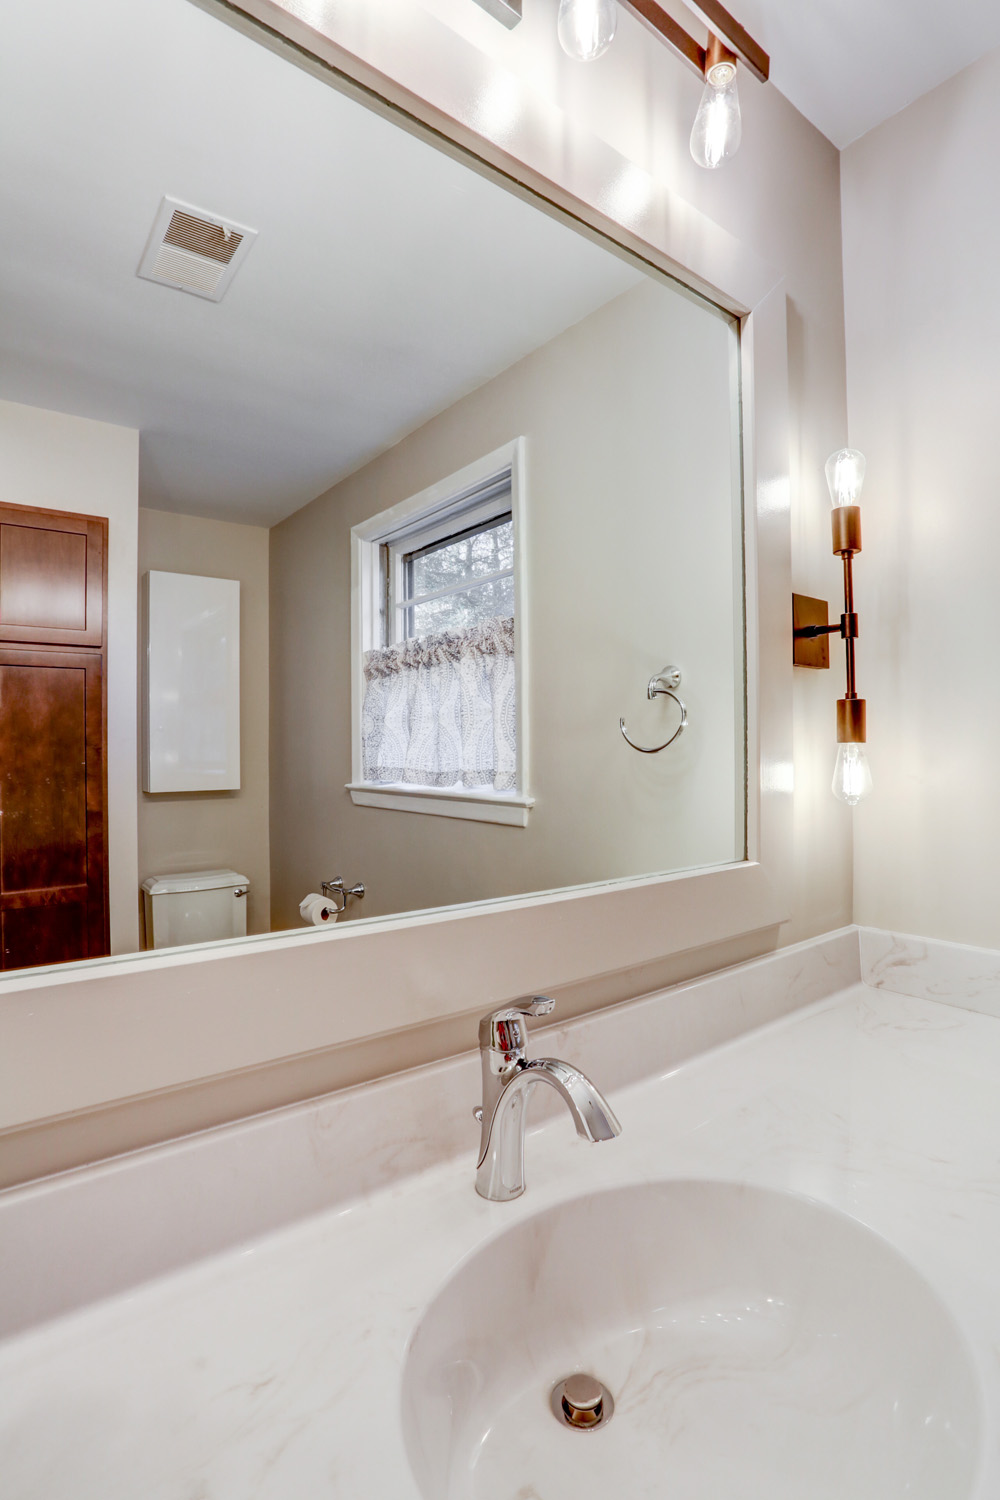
440,711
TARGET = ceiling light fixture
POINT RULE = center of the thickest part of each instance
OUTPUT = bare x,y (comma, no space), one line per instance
587,28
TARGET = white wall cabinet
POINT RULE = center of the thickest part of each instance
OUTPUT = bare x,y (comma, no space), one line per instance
191,702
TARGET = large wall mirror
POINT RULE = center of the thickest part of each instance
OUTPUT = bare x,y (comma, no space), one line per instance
476,472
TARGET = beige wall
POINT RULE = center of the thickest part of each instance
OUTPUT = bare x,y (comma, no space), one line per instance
205,830
921,229
629,562
57,462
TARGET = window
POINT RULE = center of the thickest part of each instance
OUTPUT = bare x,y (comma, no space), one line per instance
453,580
439,621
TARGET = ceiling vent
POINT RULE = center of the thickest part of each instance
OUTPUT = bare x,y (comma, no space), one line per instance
194,251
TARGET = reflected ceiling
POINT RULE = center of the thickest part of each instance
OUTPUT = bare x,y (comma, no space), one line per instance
348,324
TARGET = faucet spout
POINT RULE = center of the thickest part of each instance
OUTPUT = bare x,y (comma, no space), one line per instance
592,1114
500,1173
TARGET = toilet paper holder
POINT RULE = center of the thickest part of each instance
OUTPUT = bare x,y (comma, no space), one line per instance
335,891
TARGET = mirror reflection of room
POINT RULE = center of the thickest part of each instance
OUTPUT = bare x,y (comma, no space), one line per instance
352,502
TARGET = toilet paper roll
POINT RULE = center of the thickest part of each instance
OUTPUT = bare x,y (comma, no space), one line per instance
317,909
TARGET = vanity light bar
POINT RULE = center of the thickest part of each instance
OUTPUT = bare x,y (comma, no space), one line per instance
721,25
586,29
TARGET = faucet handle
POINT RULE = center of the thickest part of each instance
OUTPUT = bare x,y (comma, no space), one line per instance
502,1029
538,1005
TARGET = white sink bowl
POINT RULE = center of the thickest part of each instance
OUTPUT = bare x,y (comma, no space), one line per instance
758,1346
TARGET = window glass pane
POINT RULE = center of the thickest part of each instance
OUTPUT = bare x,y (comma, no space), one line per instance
487,551
459,611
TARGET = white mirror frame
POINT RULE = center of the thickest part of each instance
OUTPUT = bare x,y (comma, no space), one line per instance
116,1053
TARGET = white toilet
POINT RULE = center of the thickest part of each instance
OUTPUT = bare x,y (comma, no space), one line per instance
197,908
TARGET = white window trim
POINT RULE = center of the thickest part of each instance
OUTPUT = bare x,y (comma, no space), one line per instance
480,806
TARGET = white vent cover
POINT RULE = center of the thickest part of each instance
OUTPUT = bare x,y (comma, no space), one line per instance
194,251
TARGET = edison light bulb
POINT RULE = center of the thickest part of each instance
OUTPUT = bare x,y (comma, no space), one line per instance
852,777
718,125
845,474
587,27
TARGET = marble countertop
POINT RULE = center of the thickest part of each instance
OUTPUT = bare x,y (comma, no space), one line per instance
273,1371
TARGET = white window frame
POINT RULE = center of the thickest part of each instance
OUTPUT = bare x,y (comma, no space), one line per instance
394,526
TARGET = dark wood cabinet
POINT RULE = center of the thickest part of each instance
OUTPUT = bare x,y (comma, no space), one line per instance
53,776
52,578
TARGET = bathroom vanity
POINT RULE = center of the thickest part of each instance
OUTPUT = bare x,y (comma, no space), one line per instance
779,1281
795,1236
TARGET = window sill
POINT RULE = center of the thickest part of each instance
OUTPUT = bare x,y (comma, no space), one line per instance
445,802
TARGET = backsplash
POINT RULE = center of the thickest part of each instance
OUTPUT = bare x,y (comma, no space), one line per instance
929,969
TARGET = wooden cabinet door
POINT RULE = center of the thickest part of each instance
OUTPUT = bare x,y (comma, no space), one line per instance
53,905
52,585
53,777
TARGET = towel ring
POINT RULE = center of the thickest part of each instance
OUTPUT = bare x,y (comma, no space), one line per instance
664,683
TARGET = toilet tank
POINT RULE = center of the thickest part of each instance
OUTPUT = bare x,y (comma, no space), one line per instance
197,908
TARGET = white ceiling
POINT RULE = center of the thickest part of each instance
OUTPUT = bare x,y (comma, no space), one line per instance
847,65
387,279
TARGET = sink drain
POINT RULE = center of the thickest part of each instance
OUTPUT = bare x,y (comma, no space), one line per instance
582,1402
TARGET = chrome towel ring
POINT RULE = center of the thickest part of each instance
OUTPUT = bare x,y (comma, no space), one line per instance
666,683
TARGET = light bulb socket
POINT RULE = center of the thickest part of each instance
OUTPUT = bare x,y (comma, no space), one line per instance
851,721
846,520
720,63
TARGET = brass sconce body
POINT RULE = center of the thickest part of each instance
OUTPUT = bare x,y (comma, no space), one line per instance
846,530
811,630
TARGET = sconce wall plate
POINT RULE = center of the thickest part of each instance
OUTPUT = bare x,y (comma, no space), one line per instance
810,650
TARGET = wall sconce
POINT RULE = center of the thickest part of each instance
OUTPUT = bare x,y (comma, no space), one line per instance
852,777
587,28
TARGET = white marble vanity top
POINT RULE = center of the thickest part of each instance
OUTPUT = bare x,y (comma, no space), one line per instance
273,1371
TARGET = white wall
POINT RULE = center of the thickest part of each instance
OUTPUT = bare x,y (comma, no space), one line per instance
57,462
209,830
921,231
631,562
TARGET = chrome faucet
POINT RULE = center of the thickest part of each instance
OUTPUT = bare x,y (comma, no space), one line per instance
508,1077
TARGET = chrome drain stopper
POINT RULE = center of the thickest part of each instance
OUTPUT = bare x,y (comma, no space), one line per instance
582,1402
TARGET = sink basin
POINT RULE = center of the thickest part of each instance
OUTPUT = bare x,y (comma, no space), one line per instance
758,1346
